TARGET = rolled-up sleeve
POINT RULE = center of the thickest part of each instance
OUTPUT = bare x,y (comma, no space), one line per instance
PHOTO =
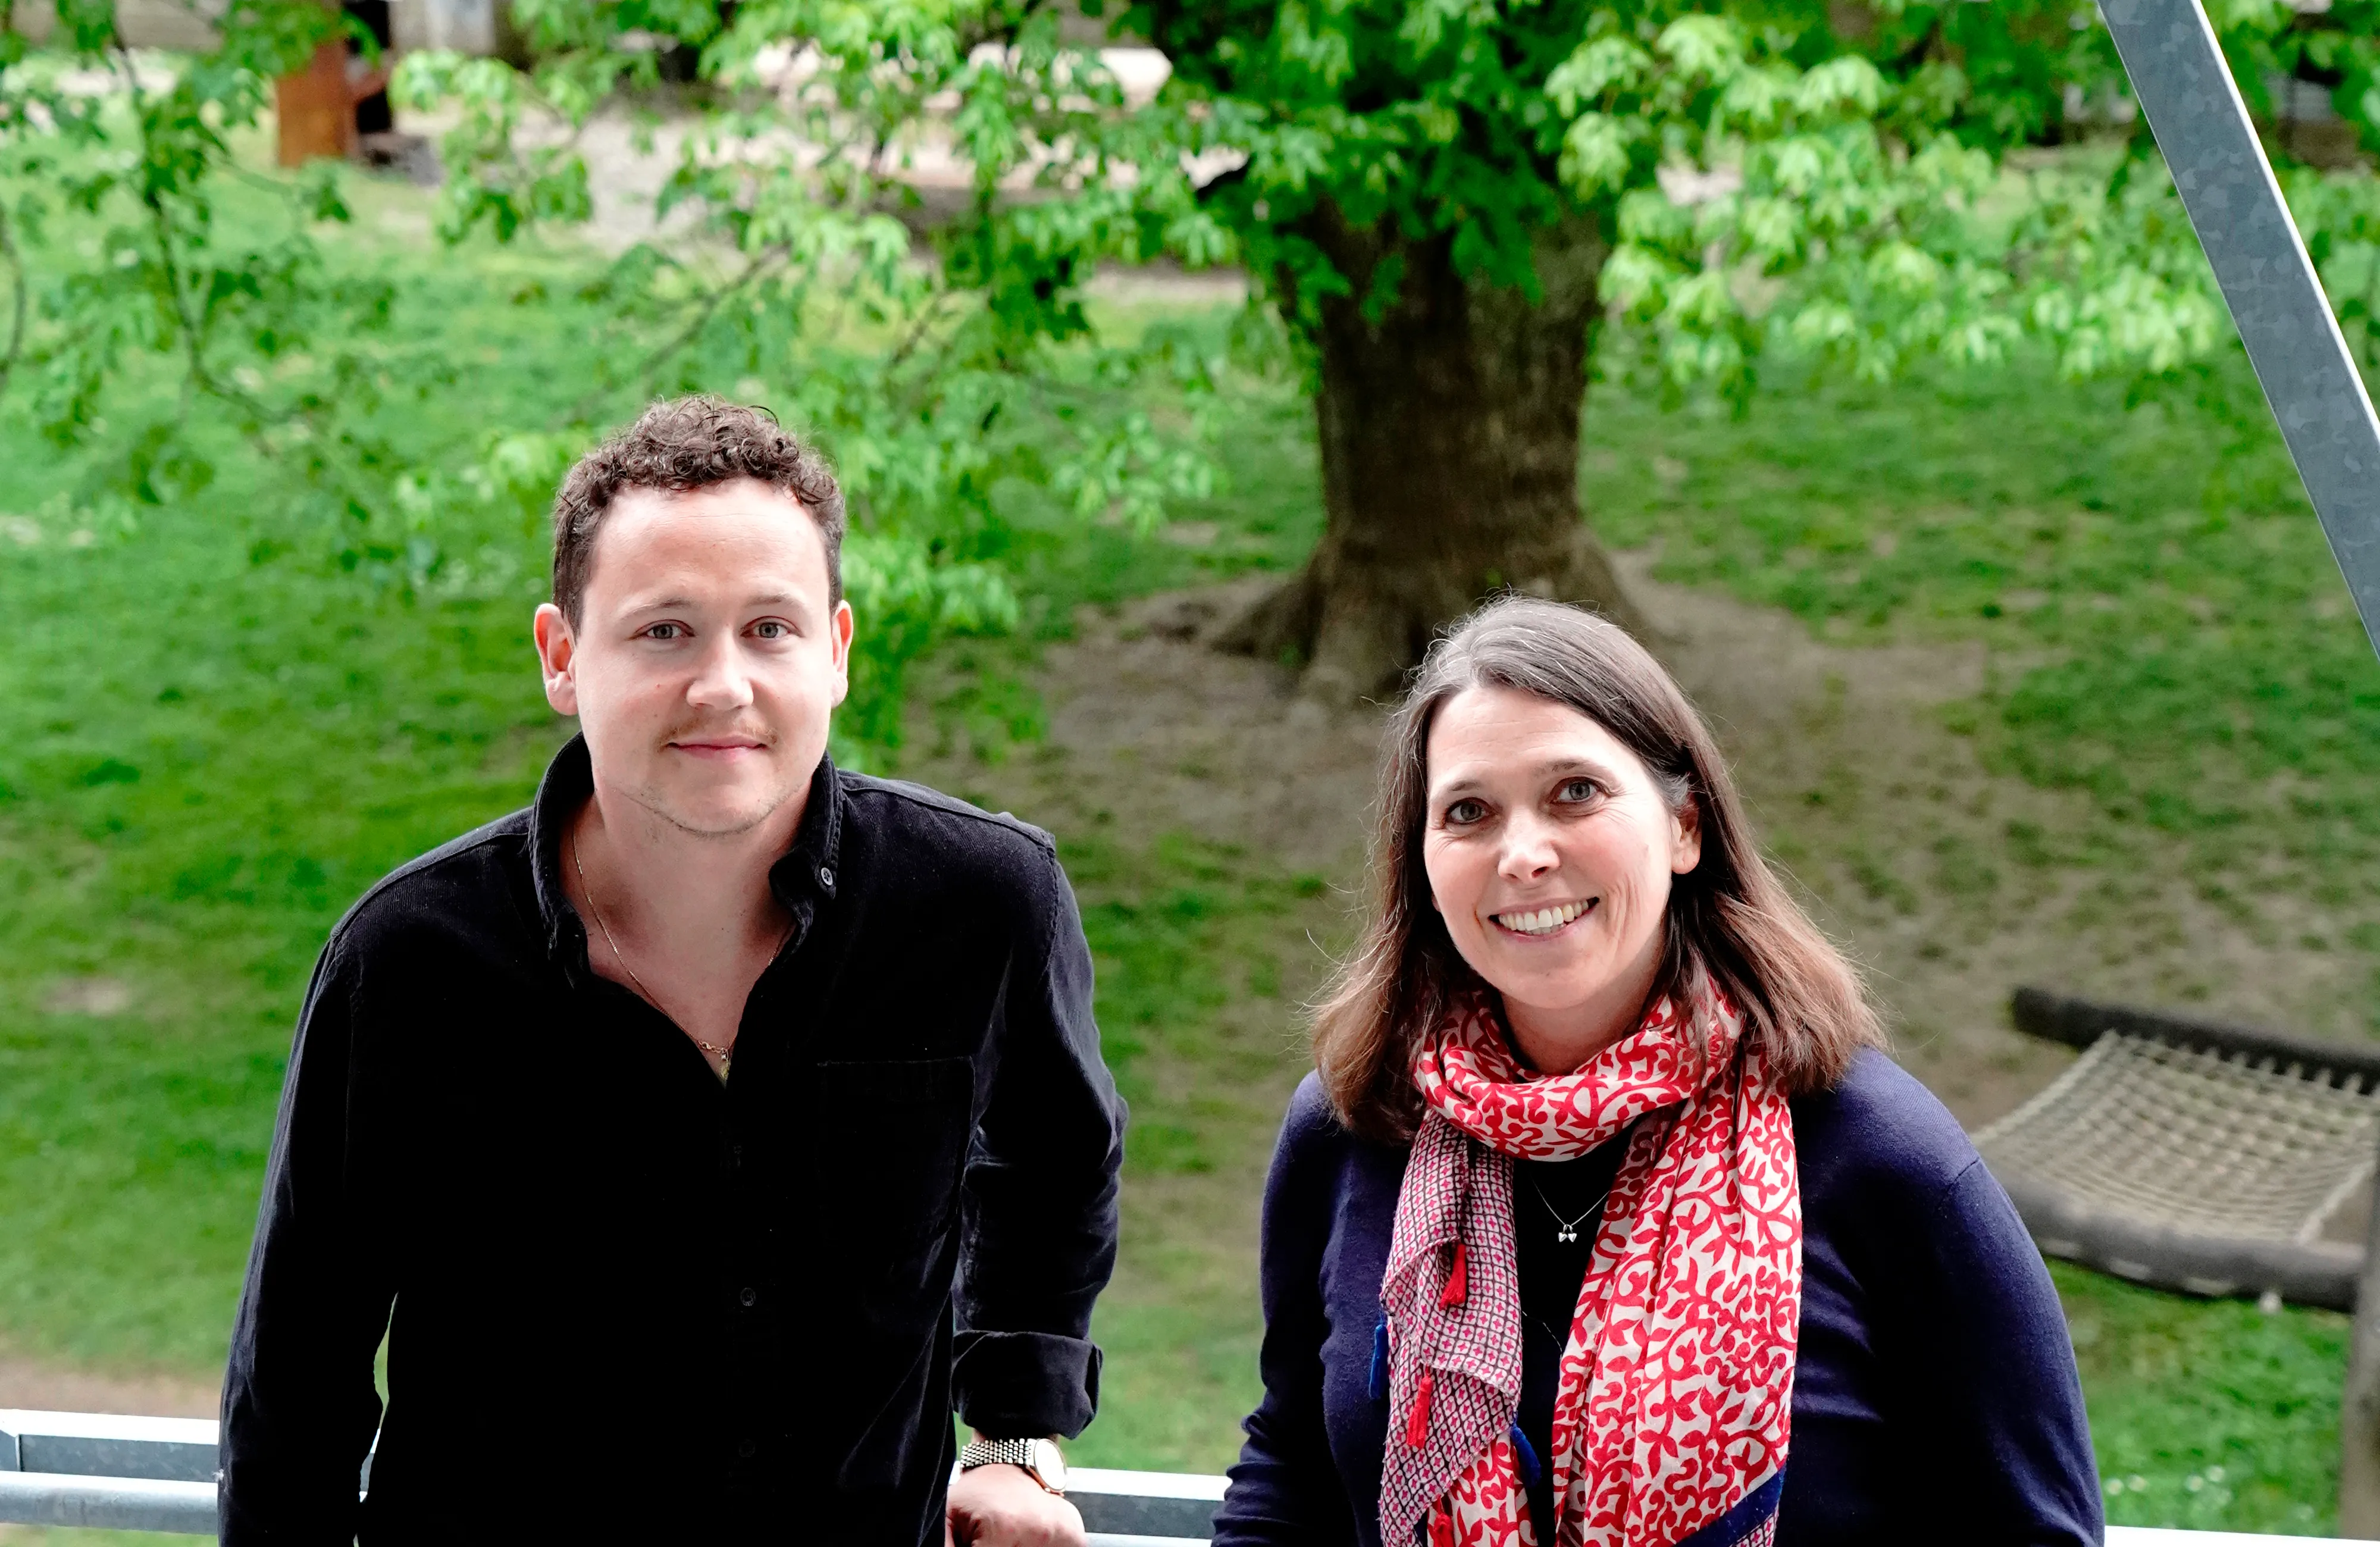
1040,1208
299,1408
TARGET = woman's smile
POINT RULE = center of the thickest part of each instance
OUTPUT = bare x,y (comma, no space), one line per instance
1544,922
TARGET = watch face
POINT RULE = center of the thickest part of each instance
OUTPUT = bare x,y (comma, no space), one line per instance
1049,1466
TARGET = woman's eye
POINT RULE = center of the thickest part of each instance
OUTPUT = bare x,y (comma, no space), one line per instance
1463,813
1577,789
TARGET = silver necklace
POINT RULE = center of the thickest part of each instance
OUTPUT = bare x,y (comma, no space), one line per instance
1566,1230
725,1056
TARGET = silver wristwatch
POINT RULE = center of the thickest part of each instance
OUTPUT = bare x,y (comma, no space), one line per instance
1038,1457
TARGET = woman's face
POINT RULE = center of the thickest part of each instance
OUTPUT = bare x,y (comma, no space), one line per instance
1550,851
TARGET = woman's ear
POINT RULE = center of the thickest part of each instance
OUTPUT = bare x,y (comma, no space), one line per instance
1686,825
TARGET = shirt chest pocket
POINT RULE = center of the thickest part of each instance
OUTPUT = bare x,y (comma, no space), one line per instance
887,1144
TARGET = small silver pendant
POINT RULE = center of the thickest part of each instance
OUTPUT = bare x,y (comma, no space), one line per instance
1566,1233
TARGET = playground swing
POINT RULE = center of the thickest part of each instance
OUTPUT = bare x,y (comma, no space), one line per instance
2190,1155
2174,1151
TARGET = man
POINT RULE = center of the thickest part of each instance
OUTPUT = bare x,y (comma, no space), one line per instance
701,1137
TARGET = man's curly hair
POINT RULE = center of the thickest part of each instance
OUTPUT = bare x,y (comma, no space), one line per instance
677,447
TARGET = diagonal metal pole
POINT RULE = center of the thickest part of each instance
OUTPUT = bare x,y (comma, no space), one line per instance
2193,105
2202,126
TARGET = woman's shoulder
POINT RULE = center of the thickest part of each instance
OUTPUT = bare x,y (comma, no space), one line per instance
1318,1148
1309,1119
1880,1135
1311,1133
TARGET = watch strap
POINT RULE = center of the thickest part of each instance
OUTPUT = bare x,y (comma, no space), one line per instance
1020,1454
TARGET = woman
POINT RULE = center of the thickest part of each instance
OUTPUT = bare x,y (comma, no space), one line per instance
1603,1219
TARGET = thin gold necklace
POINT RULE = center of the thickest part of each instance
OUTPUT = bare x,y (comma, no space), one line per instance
725,1056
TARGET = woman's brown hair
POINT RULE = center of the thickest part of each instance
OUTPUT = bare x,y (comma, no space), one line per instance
1731,921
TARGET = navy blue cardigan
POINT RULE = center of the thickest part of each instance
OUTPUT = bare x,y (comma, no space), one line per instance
1934,1399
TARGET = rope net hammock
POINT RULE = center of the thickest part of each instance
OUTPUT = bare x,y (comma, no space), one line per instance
2189,1155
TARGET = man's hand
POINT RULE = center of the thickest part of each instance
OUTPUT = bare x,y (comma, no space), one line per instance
1003,1507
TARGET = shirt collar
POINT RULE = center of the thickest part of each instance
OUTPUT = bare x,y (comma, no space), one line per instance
806,872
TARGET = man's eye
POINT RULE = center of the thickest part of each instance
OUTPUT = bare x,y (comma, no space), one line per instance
665,631
1577,789
771,629
1463,813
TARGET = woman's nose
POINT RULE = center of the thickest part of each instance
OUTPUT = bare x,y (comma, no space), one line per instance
1528,849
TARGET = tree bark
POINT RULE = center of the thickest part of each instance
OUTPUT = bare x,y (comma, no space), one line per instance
1448,422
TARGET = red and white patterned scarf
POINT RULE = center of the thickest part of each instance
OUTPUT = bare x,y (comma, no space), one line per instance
1675,1399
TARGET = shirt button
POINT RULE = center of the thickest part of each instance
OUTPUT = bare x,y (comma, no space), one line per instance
826,876
747,1448
750,1297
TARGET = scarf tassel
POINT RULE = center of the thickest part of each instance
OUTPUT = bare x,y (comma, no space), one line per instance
1458,1280
1533,1471
1417,1420
1380,1361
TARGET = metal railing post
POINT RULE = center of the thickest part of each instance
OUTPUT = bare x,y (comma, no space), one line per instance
2358,1409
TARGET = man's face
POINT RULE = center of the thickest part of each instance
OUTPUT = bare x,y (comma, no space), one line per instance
706,660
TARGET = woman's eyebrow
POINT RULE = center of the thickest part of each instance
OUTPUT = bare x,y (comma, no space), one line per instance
1554,767
1462,784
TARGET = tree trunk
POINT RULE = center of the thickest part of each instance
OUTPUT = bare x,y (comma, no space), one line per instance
1448,422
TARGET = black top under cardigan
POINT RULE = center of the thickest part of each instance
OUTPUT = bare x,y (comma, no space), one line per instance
1934,1398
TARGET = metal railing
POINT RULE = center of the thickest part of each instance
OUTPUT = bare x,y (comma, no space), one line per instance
151,1474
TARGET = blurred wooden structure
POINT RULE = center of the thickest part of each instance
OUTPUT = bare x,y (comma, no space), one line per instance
324,107
316,106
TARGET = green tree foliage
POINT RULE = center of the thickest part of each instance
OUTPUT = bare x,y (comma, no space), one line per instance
1874,183
164,296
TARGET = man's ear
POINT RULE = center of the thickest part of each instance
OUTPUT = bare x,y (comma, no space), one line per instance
557,652
840,632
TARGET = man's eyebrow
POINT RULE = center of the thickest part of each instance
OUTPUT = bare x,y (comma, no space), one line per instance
664,604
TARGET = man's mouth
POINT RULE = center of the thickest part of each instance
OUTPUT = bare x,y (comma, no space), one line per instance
1538,922
716,746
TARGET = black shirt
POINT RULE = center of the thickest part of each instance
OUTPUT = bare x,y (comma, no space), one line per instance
624,1300
1556,1209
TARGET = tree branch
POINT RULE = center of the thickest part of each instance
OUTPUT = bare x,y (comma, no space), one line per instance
193,329
18,286
772,258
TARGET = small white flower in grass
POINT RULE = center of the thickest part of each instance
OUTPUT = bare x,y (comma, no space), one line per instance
2114,1486
2138,1483
2214,1474
2193,1482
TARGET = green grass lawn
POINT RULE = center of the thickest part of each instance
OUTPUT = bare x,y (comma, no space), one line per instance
212,738
2167,631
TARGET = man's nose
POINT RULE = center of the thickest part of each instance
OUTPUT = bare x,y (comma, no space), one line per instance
721,680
